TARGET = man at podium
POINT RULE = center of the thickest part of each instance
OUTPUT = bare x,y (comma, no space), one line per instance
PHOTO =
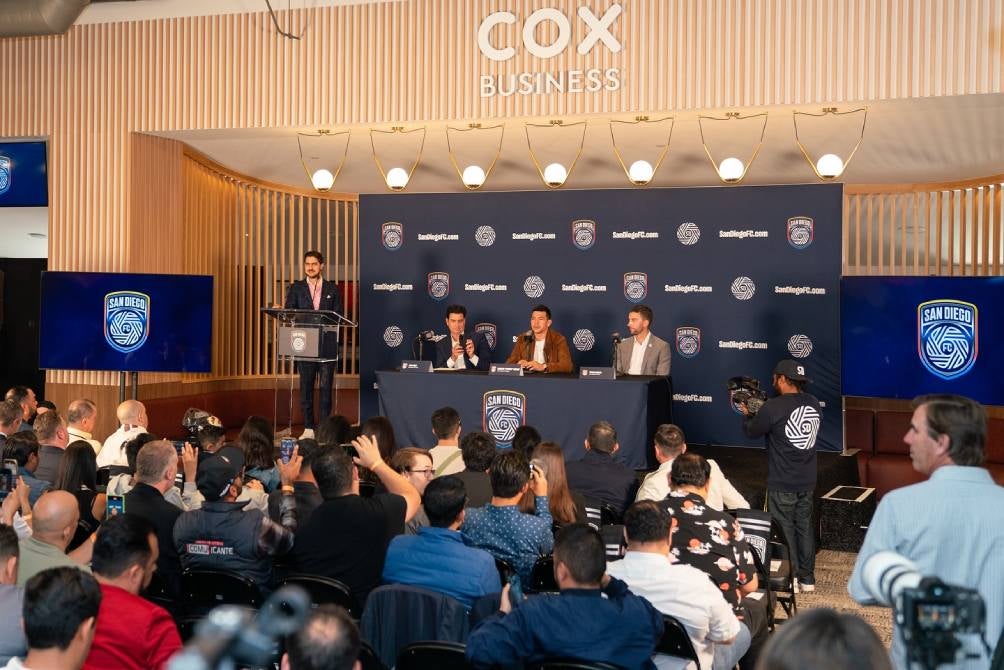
313,292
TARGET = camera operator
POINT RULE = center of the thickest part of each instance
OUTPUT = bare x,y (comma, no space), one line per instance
949,525
790,423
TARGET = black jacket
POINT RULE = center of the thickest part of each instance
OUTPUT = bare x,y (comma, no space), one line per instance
147,502
600,477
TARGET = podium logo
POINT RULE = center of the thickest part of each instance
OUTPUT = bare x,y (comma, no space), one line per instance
439,285
947,337
743,288
502,412
635,286
688,341
583,234
584,340
688,233
127,320
6,173
393,336
484,236
392,235
298,341
799,346
490,331
800,230
533,287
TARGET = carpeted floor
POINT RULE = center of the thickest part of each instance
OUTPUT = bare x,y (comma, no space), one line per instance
833,570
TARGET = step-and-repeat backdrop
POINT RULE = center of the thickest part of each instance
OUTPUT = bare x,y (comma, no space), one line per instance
738,278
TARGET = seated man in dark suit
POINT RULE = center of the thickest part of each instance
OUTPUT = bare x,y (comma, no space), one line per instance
478,450
598,475
462,350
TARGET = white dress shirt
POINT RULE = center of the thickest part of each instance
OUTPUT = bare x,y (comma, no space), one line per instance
721,494
112,452
77,434
684,592
638,354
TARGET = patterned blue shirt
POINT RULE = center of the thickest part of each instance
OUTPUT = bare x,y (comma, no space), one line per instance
508,534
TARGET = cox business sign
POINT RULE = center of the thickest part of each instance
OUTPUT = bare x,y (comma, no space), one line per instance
591,80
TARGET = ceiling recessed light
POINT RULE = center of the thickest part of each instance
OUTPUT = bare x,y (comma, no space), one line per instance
38,236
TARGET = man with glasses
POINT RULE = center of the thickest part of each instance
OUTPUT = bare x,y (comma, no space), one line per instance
415,465
437,558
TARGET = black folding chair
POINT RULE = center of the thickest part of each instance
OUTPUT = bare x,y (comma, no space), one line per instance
324,590
505,570
202,590
676,641
542,577
770,546
368,658
432,655
609,516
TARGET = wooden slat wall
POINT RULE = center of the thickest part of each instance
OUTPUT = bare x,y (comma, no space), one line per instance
948,229
250,235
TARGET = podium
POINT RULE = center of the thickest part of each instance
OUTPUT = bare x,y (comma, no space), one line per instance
305,335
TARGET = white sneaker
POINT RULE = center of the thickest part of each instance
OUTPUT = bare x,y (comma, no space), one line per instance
806,588
307,434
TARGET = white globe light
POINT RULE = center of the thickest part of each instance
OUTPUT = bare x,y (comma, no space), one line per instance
555,174
473,176
731,170
830,166
397,179
640,172
322,179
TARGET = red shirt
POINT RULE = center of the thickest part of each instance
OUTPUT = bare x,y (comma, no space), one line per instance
132,633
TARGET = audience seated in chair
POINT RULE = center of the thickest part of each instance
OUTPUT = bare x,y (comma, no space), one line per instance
347,535
415,465
59,616
53,525
446,455
132,419
437,559
620,628
566,506
478,450
500,528
308,496
598,475
23,448
131,633
328,640
823,639
12,642
679,590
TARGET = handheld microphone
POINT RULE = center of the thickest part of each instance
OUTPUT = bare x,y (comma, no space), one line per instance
616,338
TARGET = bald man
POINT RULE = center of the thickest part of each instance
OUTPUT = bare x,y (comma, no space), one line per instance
54,522
132,421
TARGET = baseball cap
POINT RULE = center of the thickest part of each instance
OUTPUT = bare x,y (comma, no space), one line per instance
793,370
217,472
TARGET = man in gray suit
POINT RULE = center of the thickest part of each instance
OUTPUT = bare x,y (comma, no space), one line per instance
643,353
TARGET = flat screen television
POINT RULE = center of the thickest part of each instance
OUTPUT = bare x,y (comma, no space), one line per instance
23,179
906,336
127,322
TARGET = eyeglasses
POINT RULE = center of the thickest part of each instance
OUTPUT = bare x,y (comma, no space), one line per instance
428,472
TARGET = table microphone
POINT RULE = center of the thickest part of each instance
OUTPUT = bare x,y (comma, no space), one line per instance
616,338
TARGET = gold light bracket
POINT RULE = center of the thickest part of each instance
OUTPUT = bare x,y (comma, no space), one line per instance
642,179
327,134
392,178
547,175
472,179
735,177
841,166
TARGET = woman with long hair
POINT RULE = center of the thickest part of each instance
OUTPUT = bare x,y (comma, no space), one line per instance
78,474
258,442
566,507
380,429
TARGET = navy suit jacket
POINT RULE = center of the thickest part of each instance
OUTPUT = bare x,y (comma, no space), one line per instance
444,349
298,296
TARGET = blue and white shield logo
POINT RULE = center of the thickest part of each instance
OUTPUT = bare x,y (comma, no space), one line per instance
392,235
5,174
502,413
948,337
490,331
583,234
688,341
800,230
635,286
127,320
439,285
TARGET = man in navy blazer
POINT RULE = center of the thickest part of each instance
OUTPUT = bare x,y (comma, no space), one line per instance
460,349
313,292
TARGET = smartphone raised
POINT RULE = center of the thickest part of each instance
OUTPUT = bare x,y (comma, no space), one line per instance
179,446
114,506
286,446
350,449
515,589
6,483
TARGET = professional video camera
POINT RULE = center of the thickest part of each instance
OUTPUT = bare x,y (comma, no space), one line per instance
197,420
747,391
929,613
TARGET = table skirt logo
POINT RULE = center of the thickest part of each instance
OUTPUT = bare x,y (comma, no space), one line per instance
439,285
490,331
127,320
5,174
392,235
800,230
688,341
635,286
947,337
583,234
502,413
